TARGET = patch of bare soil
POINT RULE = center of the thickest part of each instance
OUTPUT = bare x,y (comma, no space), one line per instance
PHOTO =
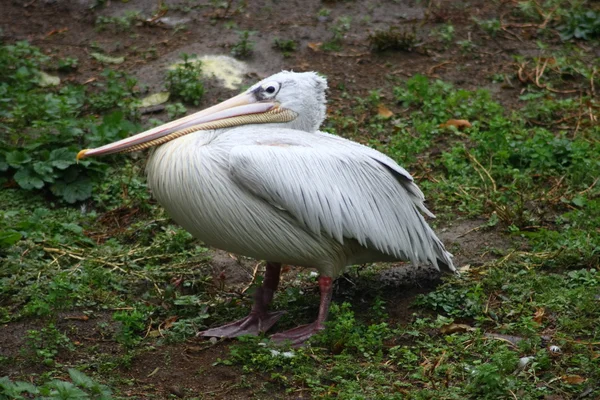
67,28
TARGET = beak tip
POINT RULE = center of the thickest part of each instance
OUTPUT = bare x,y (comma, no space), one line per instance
81,154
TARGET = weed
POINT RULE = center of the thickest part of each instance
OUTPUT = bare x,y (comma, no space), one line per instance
45,158
46,343
244,46
580,24
323,14
339,29
183,81
285,46
466,46
132,324
490,26
117,24
393,39
445,33
67,64
82,387
175,110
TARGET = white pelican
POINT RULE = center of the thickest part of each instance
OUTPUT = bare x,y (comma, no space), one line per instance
254,176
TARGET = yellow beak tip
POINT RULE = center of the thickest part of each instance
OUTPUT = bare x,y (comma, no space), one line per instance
81,154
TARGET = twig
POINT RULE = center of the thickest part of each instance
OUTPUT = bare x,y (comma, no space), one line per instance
472,158
254,272
469,231
590,187
511,34
540,71
159,14
431,70
593,91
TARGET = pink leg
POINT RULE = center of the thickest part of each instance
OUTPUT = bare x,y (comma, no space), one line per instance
299,335
259,320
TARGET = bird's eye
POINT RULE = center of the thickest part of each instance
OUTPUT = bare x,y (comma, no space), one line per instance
268,90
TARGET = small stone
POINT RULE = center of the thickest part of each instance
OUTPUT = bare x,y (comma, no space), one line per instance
554,350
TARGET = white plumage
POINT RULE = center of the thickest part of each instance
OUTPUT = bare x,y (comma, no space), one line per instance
295,197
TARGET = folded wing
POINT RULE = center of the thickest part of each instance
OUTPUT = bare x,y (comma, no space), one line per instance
350,192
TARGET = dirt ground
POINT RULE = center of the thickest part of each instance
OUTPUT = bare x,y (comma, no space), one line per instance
66,28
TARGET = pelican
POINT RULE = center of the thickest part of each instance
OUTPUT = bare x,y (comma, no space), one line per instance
254,176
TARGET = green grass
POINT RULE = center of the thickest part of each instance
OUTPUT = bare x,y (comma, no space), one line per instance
87,239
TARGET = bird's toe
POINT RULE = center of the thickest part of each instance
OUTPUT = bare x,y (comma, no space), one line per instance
253,324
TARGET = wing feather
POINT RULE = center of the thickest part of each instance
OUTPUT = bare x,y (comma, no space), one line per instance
347,191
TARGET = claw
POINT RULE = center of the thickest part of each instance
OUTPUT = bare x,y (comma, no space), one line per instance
250,325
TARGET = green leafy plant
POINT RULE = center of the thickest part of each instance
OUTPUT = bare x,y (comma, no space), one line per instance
339,29
445,33
287,47
132,324
490,26
580,24
67,64
81,387
47,126
117,24
175,110
47,342
244,47
183,81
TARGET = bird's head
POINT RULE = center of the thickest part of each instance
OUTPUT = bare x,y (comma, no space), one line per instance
289,99
303,93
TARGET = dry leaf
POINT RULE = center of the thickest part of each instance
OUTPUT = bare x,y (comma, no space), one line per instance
46,80
154,99
103,58
454,328
505,338
384,112
315,46
169,322
573,379
55,31
457,123
78,318
464,268
539,315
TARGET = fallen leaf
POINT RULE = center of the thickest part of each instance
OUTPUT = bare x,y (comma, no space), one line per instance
47,79
315,46
464,268
454,328
539,315
103,58
78,318
457,123
573,379
505,338
384,112
55,31
154,99
169,322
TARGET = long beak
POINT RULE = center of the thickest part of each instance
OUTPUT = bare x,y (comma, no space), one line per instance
239,110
